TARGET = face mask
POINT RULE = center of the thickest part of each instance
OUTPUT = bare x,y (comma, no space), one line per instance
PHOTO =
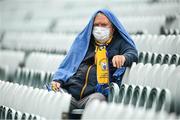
101,34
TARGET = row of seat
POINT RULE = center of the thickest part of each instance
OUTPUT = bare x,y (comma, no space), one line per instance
154,58
45,42
54,42
170,31
148,98
7,113
49,105
102,110
12,61
132,24
43,62
32,78
49,9
9,62
158,43
161,76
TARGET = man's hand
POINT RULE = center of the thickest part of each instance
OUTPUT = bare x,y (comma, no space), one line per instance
118,61
55,86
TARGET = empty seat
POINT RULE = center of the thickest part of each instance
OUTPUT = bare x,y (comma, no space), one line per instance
30,77
153,58
136,95
43,62
160,80
122,92
152,99
119,111
157,43
12,59
4,71
28,26
160,58
174,59
43,42
128,94
175,84
165,101
167,58
143,96
114,92
36,101
143,73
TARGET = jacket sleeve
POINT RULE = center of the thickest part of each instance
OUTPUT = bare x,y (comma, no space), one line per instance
129,52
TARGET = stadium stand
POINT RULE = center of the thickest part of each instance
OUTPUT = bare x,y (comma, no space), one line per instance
35,36
119,111
34,101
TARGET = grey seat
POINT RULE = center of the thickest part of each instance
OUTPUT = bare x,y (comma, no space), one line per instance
12,59
2,112
166,59
10,114
136,95
153,58
148,57
175,84
143,96
128,95
165,101
122,92
125,79
34,78
152,98
141,57
43,62
159,58
34,101
174,59
4,71
114,92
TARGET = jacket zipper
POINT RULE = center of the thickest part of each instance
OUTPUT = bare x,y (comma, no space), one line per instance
86,81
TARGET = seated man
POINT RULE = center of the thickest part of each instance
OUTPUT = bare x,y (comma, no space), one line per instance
97,57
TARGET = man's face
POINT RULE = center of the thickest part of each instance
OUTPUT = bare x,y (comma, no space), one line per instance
102,21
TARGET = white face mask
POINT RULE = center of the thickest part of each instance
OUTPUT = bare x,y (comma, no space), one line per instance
101,34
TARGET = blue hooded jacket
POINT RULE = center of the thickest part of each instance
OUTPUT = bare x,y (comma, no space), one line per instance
79,48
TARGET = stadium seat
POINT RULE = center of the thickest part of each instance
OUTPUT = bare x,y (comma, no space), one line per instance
174,59
122,92
166,59
30,77
165,101
175,84
143,96
34,101
40,42
151,102
160,78
128,94
119,111
114,92
153,58
136,95
12,59
4,71
43,61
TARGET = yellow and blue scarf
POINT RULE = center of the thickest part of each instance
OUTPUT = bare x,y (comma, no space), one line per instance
102,67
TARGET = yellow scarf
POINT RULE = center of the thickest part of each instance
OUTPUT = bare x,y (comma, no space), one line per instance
101,62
